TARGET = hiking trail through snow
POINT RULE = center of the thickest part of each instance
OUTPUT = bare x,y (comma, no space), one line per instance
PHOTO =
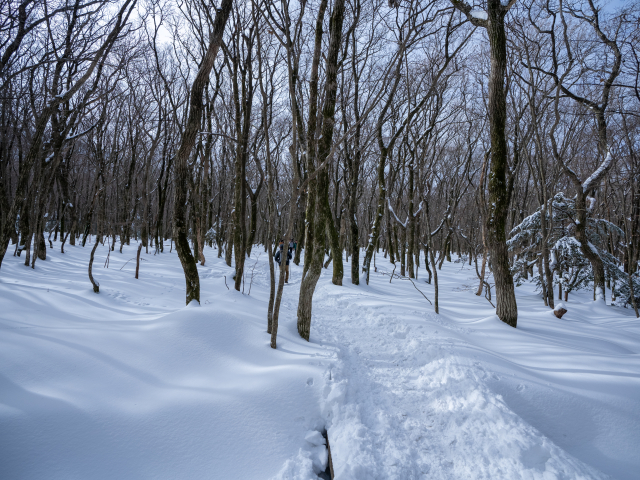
400,404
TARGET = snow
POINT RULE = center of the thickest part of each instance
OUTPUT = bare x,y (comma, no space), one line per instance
603,167
131,384
462,395
553,261
404,224
419,210
477,13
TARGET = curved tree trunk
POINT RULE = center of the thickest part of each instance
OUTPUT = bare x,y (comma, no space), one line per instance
181,175
138,259
96,285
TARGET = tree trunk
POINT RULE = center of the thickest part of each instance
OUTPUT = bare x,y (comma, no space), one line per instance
482,273
587,249
310,211
138,259
411,226
324,215
242,134
332,233
506,306
377,221
182,174
96,285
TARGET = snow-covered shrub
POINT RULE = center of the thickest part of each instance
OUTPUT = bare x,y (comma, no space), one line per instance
210,236
573,269
570,267
623,292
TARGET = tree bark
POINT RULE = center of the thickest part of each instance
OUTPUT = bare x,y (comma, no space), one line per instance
96,285
138,259
310,211
499,188
506,306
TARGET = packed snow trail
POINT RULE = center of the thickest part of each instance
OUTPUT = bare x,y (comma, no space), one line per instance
461,395
130,384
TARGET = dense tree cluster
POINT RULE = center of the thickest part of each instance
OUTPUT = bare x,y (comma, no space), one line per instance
507,132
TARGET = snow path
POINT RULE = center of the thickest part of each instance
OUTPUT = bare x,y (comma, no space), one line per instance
419,395
404,405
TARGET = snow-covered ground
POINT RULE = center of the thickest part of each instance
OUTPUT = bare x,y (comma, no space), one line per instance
130,384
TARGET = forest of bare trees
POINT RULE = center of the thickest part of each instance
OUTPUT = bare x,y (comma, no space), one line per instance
504,133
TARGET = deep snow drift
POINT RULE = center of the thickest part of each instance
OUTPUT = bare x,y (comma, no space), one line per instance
131,384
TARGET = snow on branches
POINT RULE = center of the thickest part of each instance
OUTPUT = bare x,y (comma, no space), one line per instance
570,267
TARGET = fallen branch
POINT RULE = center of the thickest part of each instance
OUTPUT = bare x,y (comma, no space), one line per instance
414,286
487,292
142,259
402,277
